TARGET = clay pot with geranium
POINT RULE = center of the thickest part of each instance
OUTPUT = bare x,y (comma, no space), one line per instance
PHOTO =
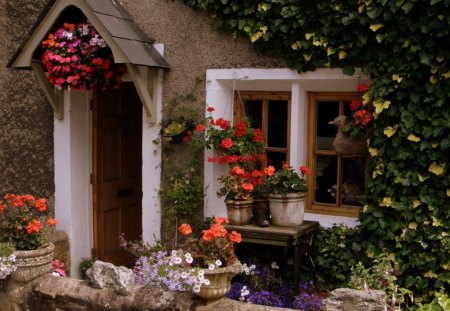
76,57
24,222
237,189
287,194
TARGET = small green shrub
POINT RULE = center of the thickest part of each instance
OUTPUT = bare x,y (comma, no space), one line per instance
85,264
441,302
334,253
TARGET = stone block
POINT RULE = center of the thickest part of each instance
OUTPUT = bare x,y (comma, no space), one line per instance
105,274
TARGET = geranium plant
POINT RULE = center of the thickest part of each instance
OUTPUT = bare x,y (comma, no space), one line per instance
237,184
77,57
215,247
286,180
361,117
24,221
238,143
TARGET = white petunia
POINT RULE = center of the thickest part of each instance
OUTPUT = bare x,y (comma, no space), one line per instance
218,263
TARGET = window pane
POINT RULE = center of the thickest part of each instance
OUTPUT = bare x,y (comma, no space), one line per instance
276,159
326,111
277,116
253,111
353,181
326,179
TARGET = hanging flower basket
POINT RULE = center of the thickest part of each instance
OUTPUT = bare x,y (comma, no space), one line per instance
76,57
176,130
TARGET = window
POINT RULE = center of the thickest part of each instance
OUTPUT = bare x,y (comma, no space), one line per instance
269,111
336,185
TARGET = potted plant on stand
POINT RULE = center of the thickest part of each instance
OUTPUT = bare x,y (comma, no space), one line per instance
287,195
237,189
23,223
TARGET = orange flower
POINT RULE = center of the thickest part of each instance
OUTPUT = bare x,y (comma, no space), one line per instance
247,186
41,204
208,235
51,222
18,202
269,171
235,237
2,207
34,226
218,230
221,220
237,170
185,229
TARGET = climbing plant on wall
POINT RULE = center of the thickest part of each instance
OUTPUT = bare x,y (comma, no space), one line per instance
404,45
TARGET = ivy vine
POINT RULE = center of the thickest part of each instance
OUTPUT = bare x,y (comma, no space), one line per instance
404,45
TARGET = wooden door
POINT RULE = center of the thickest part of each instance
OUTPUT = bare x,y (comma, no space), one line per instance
117,171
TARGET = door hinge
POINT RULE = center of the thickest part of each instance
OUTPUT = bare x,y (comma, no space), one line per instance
91,178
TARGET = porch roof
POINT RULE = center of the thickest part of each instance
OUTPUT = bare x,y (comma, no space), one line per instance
127,41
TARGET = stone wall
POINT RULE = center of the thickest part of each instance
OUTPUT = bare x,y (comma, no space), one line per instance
26,119
50,294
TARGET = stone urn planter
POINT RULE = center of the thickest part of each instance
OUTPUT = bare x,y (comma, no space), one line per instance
287,209
34,263
220,281
239,212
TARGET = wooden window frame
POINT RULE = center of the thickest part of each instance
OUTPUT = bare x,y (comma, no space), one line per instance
264,96
312,152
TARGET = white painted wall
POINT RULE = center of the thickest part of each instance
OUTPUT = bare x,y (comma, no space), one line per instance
220,86
73,191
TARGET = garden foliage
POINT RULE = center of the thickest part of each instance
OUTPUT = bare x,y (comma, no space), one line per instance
404,45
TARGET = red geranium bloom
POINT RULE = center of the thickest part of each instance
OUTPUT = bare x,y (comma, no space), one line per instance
210,109
185,229
362,87
226,143
200,127
355,104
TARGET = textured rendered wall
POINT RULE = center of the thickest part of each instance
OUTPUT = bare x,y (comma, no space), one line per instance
26,119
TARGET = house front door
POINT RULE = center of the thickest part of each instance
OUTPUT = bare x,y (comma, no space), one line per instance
117,171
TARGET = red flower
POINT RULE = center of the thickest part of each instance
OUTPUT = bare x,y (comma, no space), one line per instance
185,229
200,127
226,143
362,117
362,87
355,104
258,136
305,171
241,128
210,109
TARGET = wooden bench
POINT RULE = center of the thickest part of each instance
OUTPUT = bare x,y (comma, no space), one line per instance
295,237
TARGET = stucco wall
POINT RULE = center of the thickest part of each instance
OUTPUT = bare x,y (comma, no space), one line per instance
26,120
191,46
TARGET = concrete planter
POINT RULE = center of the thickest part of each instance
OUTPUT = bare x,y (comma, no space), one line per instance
287,209
219,279
34,263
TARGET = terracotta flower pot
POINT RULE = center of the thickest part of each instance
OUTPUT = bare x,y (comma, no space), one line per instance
287,209
239,212
34,263
219,280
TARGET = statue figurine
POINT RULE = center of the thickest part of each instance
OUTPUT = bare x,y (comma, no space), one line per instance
347,146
